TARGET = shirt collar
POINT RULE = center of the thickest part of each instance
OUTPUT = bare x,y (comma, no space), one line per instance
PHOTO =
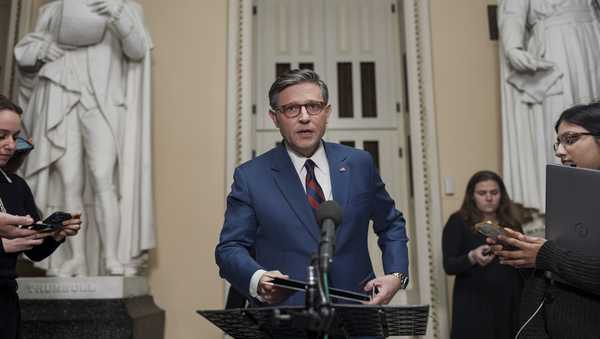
319,157
5,176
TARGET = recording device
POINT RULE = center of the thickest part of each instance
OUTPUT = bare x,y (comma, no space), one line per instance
40,227
490,229
329,216
57,218
50,224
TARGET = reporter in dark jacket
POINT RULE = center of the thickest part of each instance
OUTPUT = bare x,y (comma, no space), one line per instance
551,309
16,198
486,294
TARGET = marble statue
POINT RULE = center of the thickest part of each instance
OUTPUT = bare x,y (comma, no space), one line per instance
550,51
85,86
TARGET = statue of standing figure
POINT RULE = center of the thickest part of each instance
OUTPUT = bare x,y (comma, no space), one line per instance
85,74
551,61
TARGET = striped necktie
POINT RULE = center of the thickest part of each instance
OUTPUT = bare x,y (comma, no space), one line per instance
314,193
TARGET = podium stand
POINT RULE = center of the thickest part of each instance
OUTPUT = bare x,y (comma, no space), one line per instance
349,320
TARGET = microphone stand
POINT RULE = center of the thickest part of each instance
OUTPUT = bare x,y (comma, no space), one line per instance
319,311
326,248
318,302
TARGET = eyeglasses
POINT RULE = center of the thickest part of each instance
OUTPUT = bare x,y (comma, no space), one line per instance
569,139
293,110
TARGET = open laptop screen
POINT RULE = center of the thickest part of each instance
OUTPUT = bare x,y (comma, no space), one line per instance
573,208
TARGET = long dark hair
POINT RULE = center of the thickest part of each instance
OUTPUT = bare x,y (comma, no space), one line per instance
506,213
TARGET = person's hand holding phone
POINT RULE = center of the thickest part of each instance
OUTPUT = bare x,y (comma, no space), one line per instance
493,233
523,251
69,228
481,255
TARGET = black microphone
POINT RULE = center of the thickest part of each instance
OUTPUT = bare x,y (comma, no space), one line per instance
329,216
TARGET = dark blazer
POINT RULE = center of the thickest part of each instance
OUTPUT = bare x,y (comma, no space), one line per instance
267,211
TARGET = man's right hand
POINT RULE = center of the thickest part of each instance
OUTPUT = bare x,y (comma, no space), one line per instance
9,229
270,293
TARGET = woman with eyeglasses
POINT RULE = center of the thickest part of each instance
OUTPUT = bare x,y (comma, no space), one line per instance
551,309
486,294
16,198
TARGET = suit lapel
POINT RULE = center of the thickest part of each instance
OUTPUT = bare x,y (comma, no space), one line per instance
290,186
340,174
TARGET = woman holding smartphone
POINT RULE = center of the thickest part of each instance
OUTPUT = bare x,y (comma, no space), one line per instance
551,309
486,294
16,198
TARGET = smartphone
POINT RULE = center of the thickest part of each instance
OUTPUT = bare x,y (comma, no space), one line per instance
51,223
41,227
490,229
22,145
57,218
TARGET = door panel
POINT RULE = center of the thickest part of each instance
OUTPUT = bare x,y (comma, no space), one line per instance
289,34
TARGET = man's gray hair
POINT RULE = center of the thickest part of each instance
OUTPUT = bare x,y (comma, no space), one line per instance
295,77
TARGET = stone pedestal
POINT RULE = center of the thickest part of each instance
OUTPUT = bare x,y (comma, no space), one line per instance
89,308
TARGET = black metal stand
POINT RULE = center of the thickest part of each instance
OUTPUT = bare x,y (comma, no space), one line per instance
348,320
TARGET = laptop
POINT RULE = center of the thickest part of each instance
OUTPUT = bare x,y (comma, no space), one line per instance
573,209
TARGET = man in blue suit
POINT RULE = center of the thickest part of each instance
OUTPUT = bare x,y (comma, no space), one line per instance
270,210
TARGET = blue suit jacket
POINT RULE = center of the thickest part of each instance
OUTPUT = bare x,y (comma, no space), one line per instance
267,211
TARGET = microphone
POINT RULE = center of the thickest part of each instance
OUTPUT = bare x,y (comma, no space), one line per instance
329,216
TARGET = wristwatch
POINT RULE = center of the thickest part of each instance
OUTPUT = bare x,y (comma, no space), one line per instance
403,277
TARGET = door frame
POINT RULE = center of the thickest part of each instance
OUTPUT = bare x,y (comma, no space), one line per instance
424,150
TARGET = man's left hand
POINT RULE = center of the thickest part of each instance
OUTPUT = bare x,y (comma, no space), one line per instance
387,287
